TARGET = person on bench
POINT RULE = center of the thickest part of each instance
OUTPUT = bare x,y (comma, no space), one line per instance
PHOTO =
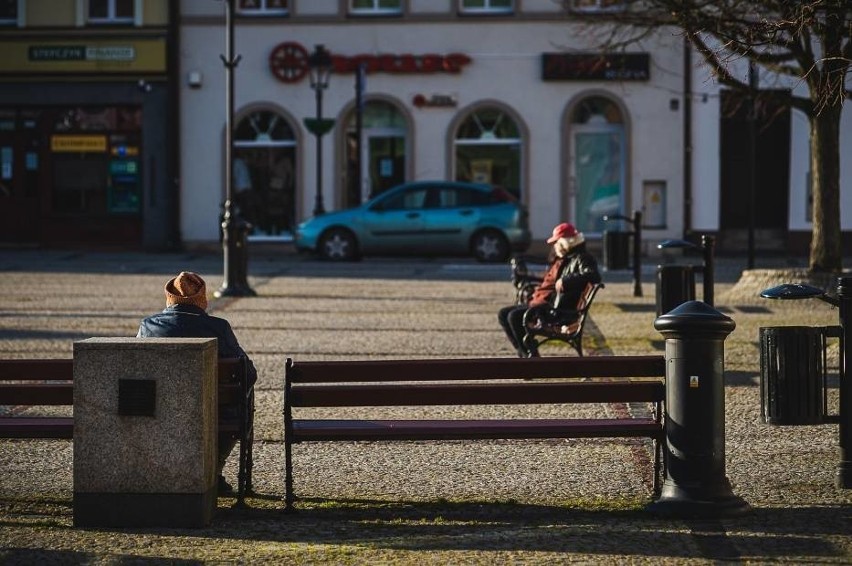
185,316
562,286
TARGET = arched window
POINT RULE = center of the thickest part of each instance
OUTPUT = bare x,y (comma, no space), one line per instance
265,174
597,134
488,149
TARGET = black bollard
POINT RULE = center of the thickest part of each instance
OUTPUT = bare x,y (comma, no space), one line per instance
844,468
695,483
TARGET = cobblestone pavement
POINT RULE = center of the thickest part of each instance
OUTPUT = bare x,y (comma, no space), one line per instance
427,502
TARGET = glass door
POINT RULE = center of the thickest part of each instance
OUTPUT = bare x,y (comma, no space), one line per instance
598,174
383,154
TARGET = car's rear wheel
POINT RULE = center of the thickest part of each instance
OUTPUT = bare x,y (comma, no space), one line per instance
338,244
489,246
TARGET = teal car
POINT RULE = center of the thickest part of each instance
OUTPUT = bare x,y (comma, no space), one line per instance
422,218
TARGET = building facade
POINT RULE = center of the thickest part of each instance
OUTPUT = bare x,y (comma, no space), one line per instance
113,112
502,92
88,148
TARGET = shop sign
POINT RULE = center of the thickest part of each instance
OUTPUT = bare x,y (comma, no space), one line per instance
92,144
46,56
434,101
288,61
81,53
596,67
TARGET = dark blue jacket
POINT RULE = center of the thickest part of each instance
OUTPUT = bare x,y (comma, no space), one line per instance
188,321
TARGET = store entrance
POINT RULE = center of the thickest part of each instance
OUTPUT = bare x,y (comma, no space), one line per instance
20,216
384,154
771,173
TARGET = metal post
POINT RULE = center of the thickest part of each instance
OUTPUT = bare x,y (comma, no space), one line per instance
708,244
234,229
318,205
359,127
844,468
637,253
752,160
696,484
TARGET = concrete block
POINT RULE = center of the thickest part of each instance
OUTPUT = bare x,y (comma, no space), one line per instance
145,418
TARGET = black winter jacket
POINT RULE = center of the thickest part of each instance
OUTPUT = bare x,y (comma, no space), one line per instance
188,321
580,268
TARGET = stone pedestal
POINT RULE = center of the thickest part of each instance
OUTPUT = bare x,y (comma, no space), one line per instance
145,432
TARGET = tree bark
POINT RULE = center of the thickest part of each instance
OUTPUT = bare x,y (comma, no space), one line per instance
826,251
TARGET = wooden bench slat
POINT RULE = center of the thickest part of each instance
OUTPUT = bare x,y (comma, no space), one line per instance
37,393
354,430
37,370
37,427
419,394
475,368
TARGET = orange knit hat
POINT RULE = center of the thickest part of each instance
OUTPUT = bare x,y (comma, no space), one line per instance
187,288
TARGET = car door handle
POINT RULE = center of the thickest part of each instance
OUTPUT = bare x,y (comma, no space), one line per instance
467,212
413,215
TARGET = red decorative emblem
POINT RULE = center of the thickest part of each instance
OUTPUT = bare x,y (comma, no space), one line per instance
289,62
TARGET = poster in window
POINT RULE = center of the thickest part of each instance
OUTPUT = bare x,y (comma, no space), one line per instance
480,170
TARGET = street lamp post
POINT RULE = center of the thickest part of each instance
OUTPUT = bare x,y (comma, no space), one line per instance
319,65
234,229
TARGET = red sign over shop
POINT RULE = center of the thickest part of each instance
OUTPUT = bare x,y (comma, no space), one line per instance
289,63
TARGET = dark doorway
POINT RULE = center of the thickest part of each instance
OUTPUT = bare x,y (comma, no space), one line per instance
772,171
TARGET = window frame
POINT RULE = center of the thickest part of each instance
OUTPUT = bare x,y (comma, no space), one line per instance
263,10
487,8
597,8
13,21
376,10
111,17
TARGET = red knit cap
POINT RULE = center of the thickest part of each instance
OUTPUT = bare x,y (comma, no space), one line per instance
187,288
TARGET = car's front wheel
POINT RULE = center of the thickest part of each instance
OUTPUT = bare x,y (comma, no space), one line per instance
338,245
489,246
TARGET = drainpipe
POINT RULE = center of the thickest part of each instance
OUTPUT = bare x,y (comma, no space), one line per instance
687,139
173,166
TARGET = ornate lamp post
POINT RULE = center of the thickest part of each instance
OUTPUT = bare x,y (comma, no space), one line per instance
234,229
319,65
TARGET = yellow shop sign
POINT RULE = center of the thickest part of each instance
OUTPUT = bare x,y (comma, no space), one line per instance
94,144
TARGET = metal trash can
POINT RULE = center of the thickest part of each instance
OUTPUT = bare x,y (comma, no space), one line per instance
675,286
616,249
793,374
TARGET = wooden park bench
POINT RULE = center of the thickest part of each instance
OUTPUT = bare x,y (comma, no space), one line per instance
472,382
547,323
49,382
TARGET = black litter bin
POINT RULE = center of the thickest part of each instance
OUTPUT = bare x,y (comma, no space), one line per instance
675,286
616,248
793,373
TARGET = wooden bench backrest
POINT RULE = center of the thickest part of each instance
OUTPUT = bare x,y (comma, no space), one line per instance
425,382
59,375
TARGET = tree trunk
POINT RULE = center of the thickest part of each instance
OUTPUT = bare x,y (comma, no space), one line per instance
826,254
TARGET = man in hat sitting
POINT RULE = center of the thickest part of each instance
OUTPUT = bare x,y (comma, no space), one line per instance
185,316
566,277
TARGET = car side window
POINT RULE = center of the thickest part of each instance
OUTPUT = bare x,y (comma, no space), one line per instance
404,200
457,197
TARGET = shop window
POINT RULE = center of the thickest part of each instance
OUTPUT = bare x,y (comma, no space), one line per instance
111,11
488,150
265,174
486,6
375,7
263,7
597,110
95,152
598,5
8,12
